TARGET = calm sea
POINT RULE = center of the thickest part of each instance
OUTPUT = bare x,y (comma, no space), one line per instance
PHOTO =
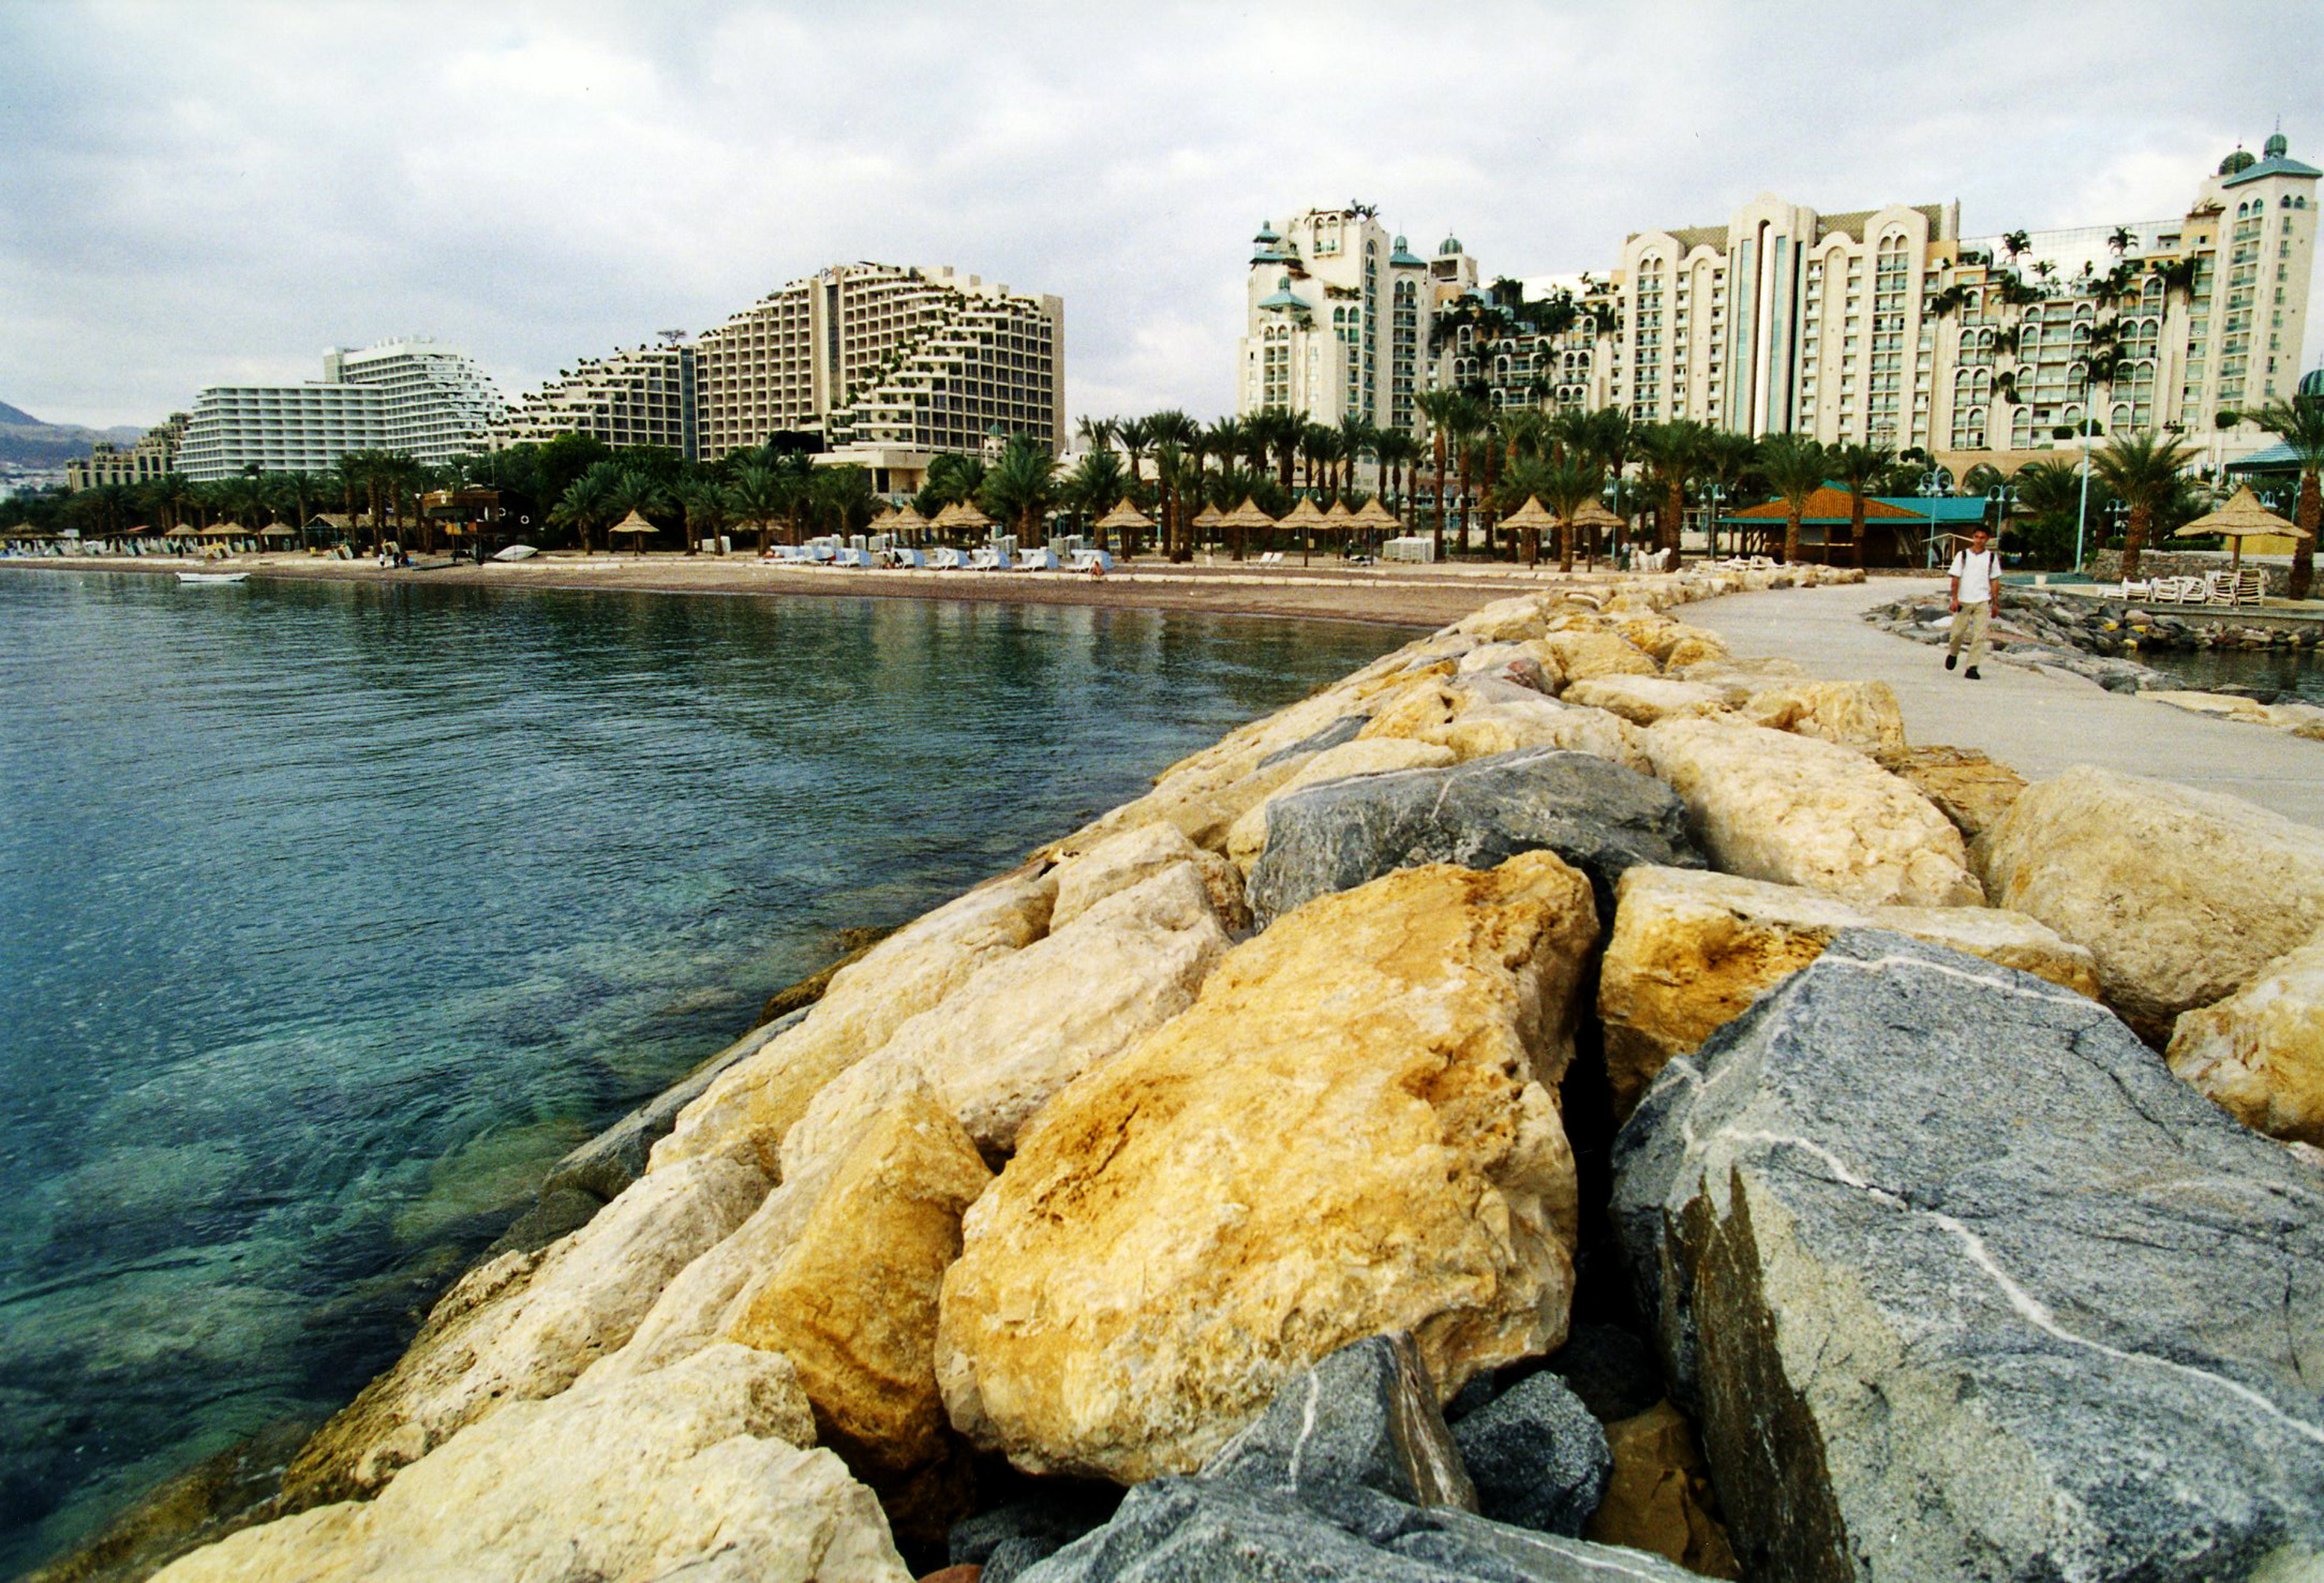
2300,678
330,915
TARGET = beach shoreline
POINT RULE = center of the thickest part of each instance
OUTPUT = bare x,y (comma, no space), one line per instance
1327,590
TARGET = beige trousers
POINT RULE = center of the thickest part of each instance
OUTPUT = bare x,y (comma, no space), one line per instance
1971,623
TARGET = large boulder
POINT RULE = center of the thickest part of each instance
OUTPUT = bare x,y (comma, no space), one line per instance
1597,815
1862,716
745,1112
1212,1530
1371,756
525,1326
1120,861
1031,1022
1643,700
1151,1266
1689,951
2259,1054
1961,1282
1968,788
696,1470
1583,655
2183,896
1768,805
1367,1414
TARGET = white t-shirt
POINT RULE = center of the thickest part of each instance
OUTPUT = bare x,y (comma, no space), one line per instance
1976,572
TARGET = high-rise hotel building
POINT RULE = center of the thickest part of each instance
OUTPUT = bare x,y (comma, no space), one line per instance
881,361
417,396
643,396
1883,326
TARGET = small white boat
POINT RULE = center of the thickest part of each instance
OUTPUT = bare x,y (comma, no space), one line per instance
213,577
515,552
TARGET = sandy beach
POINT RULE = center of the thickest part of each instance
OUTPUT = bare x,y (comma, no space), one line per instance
1327,590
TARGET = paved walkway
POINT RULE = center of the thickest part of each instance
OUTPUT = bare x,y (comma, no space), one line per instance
2038,724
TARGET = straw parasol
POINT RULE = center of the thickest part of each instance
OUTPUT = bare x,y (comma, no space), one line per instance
1209,517
278,529
907,517
1246,516
1306,513
183,530
224,531
1372,514
962,514
1531,516
884,523
2243,517
1126,515
1594,518
634,525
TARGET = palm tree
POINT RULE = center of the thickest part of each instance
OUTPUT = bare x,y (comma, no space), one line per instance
1606,438
1671,455
633,489
2014,243
2299,423
1727,456
1566,487
582,507
757,496
1021,488
1094,486
2143,470
1440,407
1135,434
1794,467
2119,239
705,508
1856,465
1398,451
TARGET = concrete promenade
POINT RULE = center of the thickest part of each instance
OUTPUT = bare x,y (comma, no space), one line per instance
2037,723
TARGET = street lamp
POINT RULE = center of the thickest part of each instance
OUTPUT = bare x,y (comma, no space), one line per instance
1936,483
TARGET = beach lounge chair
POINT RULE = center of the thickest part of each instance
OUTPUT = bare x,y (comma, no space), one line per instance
1037,560
988,559
2218,588
945,559
1091,561
2251,586
908,560
2142,589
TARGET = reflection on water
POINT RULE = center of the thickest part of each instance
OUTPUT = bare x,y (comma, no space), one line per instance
334,913
2294,674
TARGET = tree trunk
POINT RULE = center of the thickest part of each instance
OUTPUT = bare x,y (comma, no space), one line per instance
2303,550
1792,537
1465,457
2134,538
1439,494
1674,518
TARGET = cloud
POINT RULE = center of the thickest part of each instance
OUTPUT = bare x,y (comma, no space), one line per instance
190,195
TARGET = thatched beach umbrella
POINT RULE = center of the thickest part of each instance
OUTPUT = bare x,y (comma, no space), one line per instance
1307,516
224,531
183,530
1531,518
2243,517
963,515
1594,519
635,526
278,529
908,519
1126,520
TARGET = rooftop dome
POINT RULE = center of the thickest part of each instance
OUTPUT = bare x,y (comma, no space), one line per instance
1283,296
1402,253
1448,247
2236,163
2311,384
2275,148
1266,233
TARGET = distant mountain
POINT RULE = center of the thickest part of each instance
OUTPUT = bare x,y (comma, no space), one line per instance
26,440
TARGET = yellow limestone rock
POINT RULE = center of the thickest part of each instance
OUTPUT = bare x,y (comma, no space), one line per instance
1968,788
1504,621
1366,756
1862,716
851,1298
2183,896
1663,637
526,1325
1581,655
2259,1054
1690,951
1350,1131
1643,700
1767,804
695,1471
1457,716
1120,861
1659,1497
745,1113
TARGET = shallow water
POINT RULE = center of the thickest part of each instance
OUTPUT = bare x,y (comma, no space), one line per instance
333,913
2297,675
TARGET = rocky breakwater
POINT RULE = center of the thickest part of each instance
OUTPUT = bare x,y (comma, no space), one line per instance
1252,1150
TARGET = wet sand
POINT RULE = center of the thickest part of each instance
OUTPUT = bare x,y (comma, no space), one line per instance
1326,590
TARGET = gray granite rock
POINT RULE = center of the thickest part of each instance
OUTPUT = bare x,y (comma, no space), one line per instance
615,1157
1536,1456
1342,729
1365,1415
1596,815
1959,1282
1007,1539
1204,1530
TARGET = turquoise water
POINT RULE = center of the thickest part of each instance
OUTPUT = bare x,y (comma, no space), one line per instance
334,913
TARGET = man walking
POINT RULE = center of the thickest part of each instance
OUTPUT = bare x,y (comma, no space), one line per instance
1976,600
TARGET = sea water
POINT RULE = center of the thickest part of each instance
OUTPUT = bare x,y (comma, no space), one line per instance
330,915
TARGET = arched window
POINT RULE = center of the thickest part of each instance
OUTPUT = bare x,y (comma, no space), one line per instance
2020,429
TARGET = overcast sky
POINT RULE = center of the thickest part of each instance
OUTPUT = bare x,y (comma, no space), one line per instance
198,193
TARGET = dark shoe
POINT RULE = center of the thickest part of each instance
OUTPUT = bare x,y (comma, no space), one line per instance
1971,674
1952,660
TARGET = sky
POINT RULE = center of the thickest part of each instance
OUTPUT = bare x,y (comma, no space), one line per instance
203,192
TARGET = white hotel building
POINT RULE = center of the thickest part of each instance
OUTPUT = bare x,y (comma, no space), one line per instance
417,397
1883,326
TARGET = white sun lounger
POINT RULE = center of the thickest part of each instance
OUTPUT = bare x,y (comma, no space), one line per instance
1037,560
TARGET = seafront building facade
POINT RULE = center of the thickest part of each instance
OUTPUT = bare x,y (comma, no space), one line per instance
642,396
1886,326
886,366
152,457
417,396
